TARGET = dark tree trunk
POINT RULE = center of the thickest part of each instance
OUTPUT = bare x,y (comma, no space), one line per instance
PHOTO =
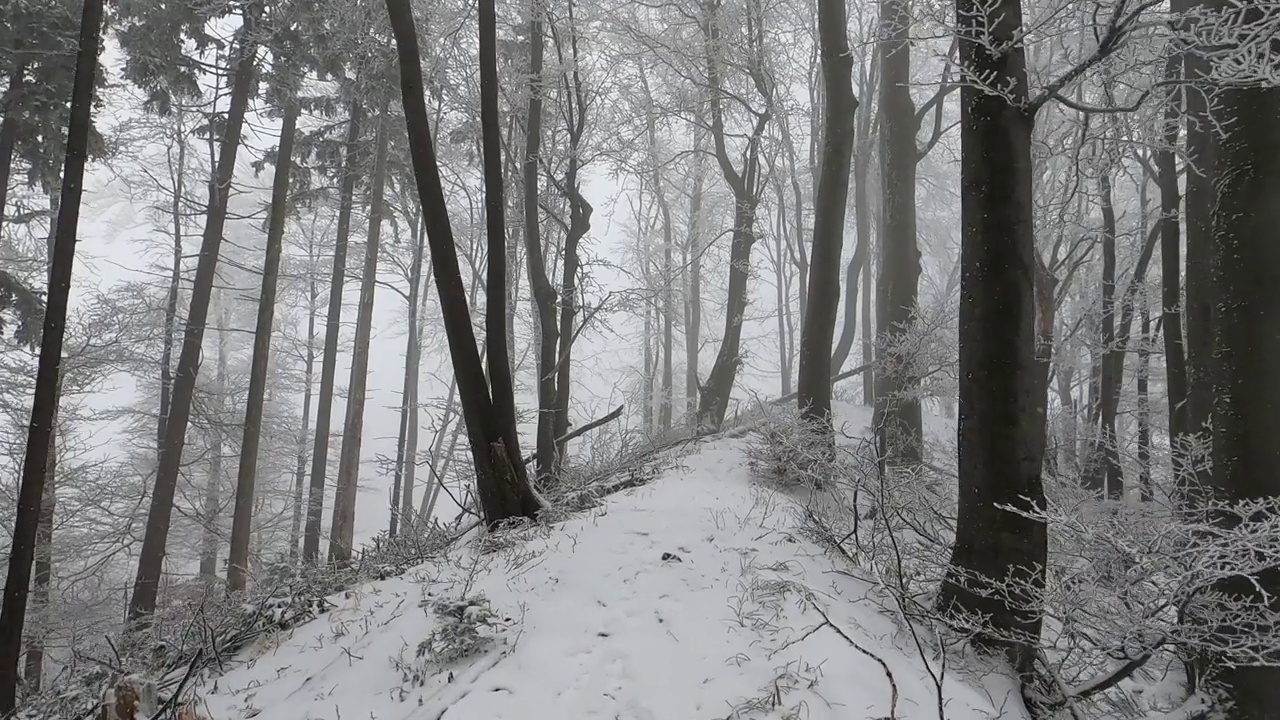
693,291
504,493
898,420
1175,357
1246,350
1200,202
1102,471
407,445
342,527
151,557
1000,444
868,340
1144,405
782,287
544,294
813,382
745,185
175,284
332,330
246,477
502,384
862,228
9,132
44,406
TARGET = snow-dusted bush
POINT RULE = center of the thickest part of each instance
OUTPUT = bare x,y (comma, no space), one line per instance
787,452
465,627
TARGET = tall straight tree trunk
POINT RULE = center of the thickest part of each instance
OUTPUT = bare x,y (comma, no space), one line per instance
544,294
175,283
1000,444
1246,350
1143,380
44,406
407,445
1102,471
332,331
666,400
813,381
503,489
246,477
868,339
502,384
300,471
342,529
1171,283
1200,203
693,288
211,534
151,558
898,420
782,288
9,131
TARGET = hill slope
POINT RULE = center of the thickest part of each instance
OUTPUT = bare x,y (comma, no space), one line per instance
692,597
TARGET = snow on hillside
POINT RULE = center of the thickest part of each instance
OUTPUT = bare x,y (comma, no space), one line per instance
691,597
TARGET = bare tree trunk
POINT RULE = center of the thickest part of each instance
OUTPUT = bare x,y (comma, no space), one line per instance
1171,286
782,287
1245,351
332,330
175,282
246,477
211,536
746,186
830,204
407,445
868,341
862,224
342,529
1102,472
38,632
898,419
1145,487
1001,445
666,400
9,131
13,608
300,473
693,290
503,490
151,558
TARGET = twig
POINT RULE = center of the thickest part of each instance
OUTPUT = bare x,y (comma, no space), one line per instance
893,685
581,431
172,702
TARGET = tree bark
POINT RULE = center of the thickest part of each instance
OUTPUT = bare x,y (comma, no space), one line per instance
151,557
813,381
693,291
745,184
300,472
246,477
9,132
342,528
1000,444
1103,473
407,445
862,228
175,284
332,330
44,406
898,421
211,535
1246,350
501,496
868,341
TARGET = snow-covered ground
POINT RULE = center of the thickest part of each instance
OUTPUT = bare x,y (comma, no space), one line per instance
691,597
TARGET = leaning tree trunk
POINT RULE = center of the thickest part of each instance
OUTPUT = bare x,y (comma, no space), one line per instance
1000,444
1246,387
503,492
36,636
246,477
898,421
813,380
332,330
175,284
151,557
13,607
342,529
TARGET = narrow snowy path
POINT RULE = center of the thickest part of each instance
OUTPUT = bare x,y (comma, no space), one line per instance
689,598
